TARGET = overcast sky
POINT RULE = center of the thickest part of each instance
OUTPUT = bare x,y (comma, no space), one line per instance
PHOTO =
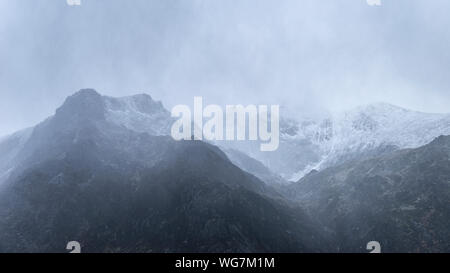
308,55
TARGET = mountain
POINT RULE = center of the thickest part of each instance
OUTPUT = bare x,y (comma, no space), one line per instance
104,171
140,113
400,200
361,133
100,172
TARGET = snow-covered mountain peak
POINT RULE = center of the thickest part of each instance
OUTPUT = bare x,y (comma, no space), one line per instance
379,107
379,122
369,130
308,143
141,103
139,113
385,123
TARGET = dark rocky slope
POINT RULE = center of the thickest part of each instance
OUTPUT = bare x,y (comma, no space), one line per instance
401,200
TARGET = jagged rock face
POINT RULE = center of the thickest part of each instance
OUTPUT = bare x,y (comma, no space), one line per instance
400,200
82,177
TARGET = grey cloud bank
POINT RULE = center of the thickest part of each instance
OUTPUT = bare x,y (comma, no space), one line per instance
306,55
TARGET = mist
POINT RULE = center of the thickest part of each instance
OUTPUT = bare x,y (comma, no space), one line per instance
309,56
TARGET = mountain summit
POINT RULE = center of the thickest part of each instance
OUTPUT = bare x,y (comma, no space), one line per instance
139,112
89,174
